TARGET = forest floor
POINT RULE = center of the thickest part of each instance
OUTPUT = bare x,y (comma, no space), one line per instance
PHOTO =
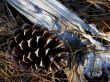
91,11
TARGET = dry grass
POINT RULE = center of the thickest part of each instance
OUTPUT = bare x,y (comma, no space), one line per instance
92,11
8,72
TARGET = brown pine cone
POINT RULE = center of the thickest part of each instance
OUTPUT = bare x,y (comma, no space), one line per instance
35,47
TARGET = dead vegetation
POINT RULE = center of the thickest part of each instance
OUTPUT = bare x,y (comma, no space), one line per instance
92,11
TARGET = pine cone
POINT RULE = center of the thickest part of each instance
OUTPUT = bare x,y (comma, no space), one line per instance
35,47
